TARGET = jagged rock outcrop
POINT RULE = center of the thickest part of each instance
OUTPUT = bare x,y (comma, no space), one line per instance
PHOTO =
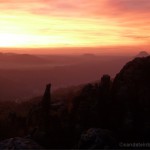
104,100
90,105
46,101
104,88
84,106
96,138
105,81
39,116
131,96
45,108
19,143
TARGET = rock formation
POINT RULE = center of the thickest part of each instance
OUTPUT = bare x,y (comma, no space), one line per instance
131,95
46,101
104,100
96,138
45,107
19,144
39,116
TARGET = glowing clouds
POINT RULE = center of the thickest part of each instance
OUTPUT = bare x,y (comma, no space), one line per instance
73,23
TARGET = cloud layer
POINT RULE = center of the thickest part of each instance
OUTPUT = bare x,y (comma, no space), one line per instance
75,22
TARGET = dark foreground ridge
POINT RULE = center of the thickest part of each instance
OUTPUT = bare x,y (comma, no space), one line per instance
106,114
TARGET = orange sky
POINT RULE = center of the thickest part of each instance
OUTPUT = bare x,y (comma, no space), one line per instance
74,23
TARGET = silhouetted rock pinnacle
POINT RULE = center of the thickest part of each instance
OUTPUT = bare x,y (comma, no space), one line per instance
39,116
105,81
46,98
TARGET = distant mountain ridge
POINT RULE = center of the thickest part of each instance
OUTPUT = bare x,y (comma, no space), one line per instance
20,58
143,54
28,73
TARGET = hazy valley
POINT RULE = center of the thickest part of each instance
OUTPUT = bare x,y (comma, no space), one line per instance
23,76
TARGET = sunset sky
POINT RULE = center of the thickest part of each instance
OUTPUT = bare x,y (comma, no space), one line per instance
74,23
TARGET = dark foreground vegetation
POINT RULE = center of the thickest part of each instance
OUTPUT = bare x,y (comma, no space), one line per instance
106,114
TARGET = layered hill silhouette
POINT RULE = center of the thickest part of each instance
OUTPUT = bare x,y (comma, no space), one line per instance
20,58
99,115
29,73
24,76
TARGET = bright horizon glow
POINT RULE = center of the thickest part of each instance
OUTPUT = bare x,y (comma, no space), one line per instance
58,23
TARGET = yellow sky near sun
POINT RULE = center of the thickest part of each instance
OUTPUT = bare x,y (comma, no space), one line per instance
23,28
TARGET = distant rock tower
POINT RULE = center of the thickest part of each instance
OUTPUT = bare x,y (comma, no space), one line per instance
45,107
104,100
39,115
105,81
46,101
